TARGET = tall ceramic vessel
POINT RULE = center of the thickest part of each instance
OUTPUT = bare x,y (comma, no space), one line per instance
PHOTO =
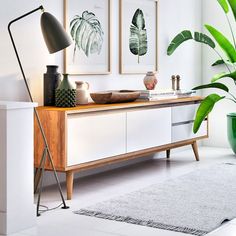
51,81
65,93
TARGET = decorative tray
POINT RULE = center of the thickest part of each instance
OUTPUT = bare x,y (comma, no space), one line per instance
114,96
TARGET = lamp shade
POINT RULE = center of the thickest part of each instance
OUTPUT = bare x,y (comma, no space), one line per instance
54,34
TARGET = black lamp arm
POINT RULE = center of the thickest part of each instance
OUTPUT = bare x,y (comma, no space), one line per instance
15,49
46,146
26,14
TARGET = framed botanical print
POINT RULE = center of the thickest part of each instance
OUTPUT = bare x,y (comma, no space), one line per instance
138,36
89,24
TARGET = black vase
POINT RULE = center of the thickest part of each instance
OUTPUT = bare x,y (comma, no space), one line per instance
52,80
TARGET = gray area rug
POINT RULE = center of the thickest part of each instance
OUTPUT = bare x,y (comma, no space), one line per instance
195,203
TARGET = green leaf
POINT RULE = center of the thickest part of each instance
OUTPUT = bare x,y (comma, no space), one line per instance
224,5
187,35
218,62
138,43
223,42
204,109
224,75
87,33
213,85
232,4
203,38
178,40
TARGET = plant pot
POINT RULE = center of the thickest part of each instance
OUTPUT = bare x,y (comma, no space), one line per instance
231,123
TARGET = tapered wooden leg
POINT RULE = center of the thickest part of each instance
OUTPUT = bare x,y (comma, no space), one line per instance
69,184
168,154
195,150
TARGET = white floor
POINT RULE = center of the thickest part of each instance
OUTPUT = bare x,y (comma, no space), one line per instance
103,186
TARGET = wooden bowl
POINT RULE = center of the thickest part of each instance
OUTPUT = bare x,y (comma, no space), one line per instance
114,96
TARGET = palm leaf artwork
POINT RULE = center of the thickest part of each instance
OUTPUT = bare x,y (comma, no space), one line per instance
138,43
87,33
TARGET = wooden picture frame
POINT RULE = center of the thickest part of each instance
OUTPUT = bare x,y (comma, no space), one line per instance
127,13
88,61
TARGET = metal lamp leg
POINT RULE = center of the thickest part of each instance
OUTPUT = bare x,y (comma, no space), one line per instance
46,151
57,180
41,180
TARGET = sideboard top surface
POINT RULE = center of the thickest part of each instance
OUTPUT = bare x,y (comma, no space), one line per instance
92,107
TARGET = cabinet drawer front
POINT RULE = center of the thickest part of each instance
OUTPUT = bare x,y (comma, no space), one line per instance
148,128
93,137
185,131
184,113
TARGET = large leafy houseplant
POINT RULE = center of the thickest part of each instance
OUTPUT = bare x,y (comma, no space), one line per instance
227,47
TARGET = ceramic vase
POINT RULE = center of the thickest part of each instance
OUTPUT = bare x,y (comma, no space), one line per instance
150,81
81,92
51,81
65,93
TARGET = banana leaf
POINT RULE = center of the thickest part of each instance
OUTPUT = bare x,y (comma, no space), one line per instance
187,35
224,5
213,85
178,40
204,109
138,43
224,75
218,62
223,42
232,4
203,38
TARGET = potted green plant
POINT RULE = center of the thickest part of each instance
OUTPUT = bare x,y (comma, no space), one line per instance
228,48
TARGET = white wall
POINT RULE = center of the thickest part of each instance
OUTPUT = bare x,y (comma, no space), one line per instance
174,16
214,15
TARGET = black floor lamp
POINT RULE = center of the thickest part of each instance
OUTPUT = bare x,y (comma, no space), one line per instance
56,39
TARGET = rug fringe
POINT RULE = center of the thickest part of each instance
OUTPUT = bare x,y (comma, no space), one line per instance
141,222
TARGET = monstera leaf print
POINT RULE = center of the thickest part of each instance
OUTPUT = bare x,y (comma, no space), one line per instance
138,43
87,33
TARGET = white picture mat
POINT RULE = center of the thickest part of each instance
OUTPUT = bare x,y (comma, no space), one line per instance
95,63
129,61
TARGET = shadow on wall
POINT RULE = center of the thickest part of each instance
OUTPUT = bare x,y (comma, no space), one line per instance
12,88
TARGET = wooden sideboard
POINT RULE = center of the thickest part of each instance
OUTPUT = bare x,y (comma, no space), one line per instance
93,135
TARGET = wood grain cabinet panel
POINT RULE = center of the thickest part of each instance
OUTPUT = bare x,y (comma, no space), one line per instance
93,135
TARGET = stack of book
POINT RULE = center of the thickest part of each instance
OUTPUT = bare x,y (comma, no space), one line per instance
155,95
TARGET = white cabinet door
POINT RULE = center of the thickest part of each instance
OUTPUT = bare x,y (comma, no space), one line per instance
184,113
93,137
148,128
182,123
183,132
